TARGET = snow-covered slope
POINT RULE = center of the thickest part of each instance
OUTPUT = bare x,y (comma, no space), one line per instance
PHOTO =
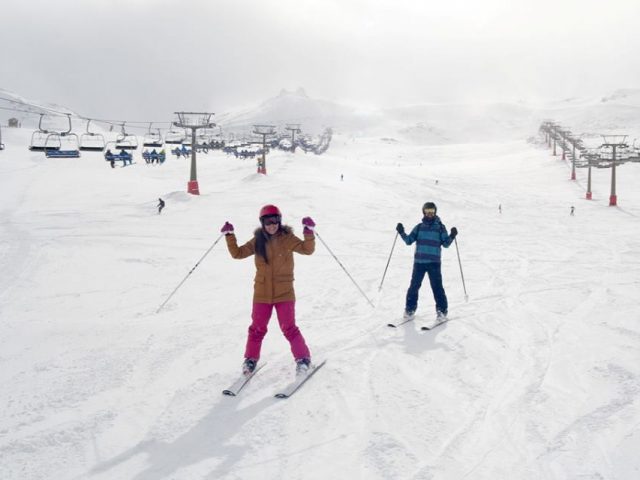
29,110
536,377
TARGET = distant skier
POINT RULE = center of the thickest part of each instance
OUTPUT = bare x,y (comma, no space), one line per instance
429,235
160,205
273,245
573,209
500,208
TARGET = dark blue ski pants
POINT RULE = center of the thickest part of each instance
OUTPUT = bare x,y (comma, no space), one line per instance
435,279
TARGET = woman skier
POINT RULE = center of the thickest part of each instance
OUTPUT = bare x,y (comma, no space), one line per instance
273,245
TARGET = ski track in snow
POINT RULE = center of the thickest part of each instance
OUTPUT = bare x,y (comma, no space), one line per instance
537,376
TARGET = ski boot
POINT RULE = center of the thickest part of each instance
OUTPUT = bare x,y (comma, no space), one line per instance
302,366
441,316
249,366
409,314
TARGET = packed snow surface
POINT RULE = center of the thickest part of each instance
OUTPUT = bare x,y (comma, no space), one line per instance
536,376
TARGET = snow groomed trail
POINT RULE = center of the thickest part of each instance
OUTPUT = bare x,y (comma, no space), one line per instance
536,376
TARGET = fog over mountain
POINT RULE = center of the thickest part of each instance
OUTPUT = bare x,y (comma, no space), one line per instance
617,111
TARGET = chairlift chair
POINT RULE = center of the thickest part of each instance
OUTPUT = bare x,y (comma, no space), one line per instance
175,137
152,139
206,135
120,156
72,150
42,139
126,141
92,142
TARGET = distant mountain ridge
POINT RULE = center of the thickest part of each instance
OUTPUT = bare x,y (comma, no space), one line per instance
420,124
444,123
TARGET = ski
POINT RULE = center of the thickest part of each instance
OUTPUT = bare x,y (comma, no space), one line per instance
299,381
437,324
239,384
396,325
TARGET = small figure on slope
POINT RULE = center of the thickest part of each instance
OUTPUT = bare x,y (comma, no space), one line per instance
160,205
429,235
273,245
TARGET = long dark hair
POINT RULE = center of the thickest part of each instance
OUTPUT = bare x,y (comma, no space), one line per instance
262,238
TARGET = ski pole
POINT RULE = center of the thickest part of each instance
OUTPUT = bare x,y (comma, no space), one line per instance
345,270
190,272
388,261
466,297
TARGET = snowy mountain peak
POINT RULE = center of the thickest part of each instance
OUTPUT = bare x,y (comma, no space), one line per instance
300,92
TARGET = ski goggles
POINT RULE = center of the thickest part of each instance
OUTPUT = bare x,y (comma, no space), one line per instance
429,211
272,220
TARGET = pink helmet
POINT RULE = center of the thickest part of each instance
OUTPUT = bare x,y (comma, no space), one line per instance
269,210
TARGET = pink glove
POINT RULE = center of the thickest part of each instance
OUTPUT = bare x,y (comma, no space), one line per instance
227,228
309,225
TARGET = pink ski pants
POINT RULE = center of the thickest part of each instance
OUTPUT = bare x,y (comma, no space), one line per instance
260,317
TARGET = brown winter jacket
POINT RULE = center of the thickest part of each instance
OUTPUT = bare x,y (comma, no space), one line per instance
274,280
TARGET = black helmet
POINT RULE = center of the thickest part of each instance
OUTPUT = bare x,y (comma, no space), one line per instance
429,205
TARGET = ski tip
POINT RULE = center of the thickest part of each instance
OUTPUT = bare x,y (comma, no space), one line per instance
318,365
391,325
281,395
228,393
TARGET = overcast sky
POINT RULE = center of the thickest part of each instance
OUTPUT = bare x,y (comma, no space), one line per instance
144,59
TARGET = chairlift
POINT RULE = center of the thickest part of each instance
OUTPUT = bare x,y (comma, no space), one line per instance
207,135
92,142
122,155
42,140
126,141
152,139
70,140
175,137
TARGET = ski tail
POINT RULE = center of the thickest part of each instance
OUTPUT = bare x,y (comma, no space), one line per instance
435,325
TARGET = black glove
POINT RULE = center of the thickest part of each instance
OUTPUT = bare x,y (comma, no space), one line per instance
400,229
454,233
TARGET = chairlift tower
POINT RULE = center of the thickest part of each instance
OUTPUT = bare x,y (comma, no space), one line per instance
589,157
293,128
264,130
614,142
573,161
193,121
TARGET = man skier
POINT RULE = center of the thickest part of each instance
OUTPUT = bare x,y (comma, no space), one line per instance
430,235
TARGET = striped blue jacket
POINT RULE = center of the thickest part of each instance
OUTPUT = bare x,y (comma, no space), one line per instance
430,236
